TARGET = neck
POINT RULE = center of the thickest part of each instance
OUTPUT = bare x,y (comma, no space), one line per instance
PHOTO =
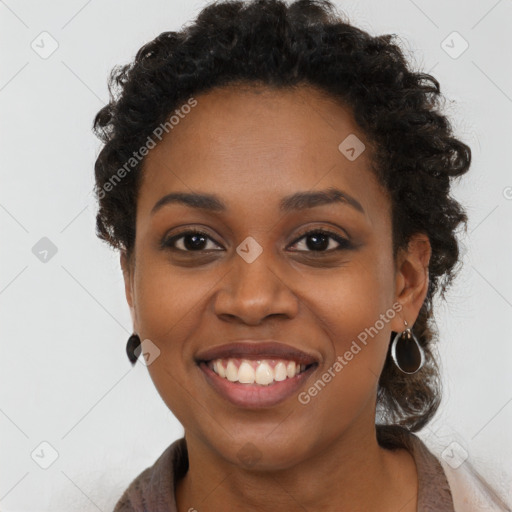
353,473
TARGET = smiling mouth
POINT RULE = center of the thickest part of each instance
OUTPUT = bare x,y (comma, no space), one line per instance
266,390
262,372
256,374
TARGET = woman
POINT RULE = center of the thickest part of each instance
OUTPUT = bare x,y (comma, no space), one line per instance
278,184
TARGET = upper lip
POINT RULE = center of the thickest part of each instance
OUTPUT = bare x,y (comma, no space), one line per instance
251,349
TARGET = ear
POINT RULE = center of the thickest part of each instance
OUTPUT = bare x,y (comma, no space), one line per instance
412,279
127,266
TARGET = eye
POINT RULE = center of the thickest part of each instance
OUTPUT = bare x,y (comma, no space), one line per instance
319,240
189,241
322,241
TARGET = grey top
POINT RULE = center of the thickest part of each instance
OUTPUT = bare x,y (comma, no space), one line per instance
153,490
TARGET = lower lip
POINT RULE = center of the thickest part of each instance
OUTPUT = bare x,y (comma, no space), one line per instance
254,395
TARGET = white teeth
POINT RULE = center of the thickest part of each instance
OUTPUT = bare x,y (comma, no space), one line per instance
262,372
246,374
231,372
280,372
220,369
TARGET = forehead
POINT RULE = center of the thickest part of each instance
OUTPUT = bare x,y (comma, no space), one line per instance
249,119
254,141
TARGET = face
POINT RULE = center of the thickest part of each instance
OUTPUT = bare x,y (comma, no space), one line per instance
311,274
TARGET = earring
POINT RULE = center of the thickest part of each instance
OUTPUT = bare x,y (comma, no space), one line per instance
133,348
406,351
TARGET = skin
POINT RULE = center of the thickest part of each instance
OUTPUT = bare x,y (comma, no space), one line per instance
251,146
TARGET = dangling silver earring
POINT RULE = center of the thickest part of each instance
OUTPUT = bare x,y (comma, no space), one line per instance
406,351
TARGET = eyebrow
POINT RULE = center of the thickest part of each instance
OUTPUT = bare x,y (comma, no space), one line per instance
295,202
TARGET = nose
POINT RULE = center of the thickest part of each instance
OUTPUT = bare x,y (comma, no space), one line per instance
251,292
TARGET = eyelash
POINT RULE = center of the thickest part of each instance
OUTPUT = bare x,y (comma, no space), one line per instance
343,242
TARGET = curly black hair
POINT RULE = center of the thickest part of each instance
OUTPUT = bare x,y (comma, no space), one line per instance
415,154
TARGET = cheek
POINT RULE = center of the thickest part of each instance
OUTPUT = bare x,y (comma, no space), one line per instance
168,301
168,306
357,311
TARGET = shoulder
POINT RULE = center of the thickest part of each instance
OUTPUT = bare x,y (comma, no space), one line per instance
153,489
470,491
132,498
447,479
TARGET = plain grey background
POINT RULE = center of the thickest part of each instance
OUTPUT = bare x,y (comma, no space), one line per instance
65,380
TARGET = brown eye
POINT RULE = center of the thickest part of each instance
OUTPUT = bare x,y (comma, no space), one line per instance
316,241
190,241
323,241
